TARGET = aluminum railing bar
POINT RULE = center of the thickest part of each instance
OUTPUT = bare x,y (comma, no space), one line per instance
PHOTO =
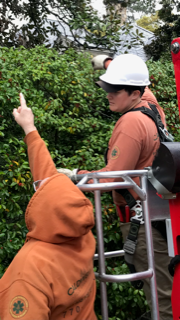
125,277
150,253
100,245
84,180
114,185
111,254
106,186
113,174
137,189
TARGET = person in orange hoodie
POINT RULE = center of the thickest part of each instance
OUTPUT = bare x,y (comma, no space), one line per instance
51,277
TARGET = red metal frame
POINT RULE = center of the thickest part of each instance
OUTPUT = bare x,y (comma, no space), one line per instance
175,204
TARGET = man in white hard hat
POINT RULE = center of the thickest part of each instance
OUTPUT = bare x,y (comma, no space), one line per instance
133,146
102,61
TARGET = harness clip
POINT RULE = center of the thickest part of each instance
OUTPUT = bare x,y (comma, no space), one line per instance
138,212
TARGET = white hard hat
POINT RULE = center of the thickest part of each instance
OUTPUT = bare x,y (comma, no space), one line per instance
126,69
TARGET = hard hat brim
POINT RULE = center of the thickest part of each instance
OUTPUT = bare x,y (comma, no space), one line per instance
108,87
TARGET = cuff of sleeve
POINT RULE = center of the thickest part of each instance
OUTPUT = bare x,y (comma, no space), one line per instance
75,171
31,137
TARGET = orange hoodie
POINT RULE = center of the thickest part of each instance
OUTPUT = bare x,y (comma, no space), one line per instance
51,277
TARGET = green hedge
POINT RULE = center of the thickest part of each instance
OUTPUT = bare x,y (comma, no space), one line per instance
164,88
72,116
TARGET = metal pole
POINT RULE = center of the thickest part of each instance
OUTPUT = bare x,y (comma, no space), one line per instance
113,174
100,244
111,254
83,181
150,253
125,277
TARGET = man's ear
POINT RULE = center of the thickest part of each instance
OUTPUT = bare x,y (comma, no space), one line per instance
136,94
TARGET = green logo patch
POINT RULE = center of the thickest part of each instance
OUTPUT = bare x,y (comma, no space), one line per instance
115,153
18,307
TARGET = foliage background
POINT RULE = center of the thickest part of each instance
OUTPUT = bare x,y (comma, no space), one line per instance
169,26
62,24
72,116
150,23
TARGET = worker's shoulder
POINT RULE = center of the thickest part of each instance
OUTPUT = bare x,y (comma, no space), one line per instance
149,96
26,266
138,114
135,123
134,117
36,250
32,254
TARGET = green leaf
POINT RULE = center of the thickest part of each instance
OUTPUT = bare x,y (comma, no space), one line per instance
114,286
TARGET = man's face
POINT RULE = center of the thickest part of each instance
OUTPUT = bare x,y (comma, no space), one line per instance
121,101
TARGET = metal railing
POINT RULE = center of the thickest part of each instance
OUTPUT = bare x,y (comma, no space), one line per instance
127,182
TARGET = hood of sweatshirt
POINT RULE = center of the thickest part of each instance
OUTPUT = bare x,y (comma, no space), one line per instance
58,211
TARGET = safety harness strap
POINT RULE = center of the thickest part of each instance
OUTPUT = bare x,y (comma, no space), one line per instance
173,263
153,113
130,247
131,202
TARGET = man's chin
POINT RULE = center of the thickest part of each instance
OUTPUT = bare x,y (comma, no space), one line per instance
112,107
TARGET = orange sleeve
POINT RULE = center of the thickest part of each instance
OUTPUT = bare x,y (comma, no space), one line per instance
22,300
40,161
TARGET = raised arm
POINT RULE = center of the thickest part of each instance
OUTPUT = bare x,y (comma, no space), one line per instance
40,161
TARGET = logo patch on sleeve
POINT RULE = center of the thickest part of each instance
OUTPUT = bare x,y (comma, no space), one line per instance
18,307
115,153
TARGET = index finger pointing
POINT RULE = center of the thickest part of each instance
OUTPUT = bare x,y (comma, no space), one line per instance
22,100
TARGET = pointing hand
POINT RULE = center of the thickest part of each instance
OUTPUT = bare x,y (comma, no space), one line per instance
24,116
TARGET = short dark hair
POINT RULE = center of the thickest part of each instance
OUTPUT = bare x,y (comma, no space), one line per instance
117,87
130,89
